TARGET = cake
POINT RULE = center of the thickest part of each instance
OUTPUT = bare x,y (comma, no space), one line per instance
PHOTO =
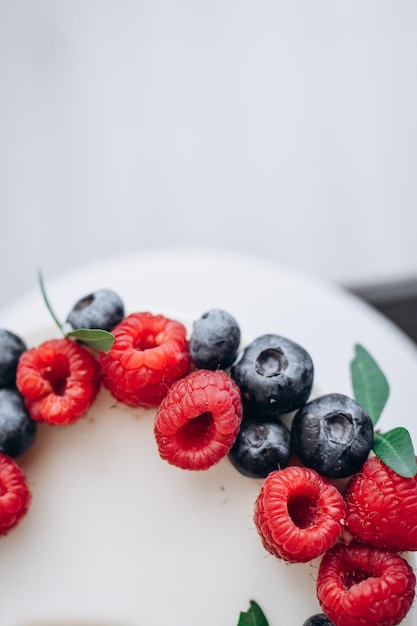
115,535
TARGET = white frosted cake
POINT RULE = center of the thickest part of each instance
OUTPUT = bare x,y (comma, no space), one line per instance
115,535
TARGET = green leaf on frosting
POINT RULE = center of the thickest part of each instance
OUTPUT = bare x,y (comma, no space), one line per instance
371,391
93,337
253,617
47,303
370,386
395,449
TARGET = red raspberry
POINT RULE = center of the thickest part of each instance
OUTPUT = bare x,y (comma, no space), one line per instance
358,585
14,494
198,421
382,507
150,352
298,514
59,381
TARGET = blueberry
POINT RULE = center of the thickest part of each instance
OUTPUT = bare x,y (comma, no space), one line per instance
11,348
274,374
215,340
332,434
320,619
260,448
103,309
17,429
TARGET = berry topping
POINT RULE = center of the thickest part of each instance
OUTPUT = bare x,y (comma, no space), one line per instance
333,435
11,349
207,415
382,507
274,374
17,428
298,514
320,619
198,421
359,585
215,340
101,309
59,381
14,494
261,448
150,352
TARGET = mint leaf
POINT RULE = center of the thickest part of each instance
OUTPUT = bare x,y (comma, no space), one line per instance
395,449
371,390
253,617
93,337
370,386
48,305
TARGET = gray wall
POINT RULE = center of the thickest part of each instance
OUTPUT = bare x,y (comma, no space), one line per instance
286,129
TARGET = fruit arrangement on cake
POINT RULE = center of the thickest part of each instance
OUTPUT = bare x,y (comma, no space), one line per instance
332,487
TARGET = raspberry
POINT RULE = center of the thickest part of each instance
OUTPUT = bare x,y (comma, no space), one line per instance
198,421
359,585
150,352
382,507
59,381
14,494
298,514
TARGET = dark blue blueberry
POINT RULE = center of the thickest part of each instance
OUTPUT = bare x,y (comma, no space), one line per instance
320,619
274,374
215,340
332,434
17,429
11,348
260,448
103,309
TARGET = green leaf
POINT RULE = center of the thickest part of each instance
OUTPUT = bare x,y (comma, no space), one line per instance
395,449
93,337
370,386
48,305
253,617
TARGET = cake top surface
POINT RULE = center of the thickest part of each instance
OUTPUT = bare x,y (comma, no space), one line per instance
115,536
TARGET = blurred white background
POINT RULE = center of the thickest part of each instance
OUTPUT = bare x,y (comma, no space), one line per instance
282,128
